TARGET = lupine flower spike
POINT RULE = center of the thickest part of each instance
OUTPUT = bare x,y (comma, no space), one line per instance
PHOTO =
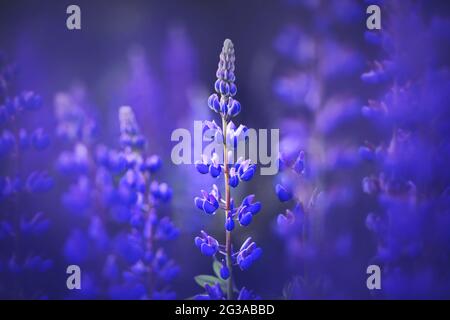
412,220
225,256
139,194
122,184
22,183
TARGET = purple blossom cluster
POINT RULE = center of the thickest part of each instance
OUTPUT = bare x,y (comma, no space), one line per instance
318,162
118,234
225,256
406,150
23,222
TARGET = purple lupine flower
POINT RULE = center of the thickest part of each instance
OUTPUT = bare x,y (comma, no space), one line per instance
405,162
247,210
74,162
211,165
75,129
235,135
161,191
207,244
74,121
148,226
314,80
39,139
130,136
224,271
283,193
248,253
214,292
209,202
234,177
215,168
22,190
299,164
285,220
224,86
166,230
153,163
246,170
229,222
39,182
36,225
202,165
224,103
121,185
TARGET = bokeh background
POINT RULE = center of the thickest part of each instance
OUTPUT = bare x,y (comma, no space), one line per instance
368,111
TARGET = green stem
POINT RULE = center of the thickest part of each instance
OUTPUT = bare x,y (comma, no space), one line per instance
227,209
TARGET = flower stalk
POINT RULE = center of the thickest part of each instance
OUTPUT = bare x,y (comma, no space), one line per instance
227,212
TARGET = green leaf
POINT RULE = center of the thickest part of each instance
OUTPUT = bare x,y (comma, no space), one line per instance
204,279
216,267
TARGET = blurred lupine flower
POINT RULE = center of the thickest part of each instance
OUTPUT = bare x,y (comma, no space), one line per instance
88,238
76,161
222,102
166,230
23,223
71,112
150,263
283,193
410,120
78,198
317,162
118,196
152,164
161,191
130,136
